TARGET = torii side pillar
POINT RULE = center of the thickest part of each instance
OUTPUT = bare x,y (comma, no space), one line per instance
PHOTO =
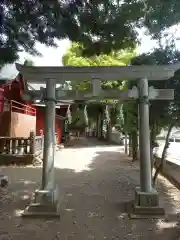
146,197
146,202
46,200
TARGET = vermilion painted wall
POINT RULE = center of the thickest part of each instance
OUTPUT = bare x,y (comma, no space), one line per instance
21,124
13,91
1,100
40,123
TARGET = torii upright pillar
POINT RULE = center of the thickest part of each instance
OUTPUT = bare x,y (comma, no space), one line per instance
144,137
49,137
46,198
146,197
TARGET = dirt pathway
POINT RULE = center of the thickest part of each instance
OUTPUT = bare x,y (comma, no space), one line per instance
95,183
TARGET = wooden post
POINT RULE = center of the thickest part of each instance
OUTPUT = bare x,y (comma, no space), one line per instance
32,143
8,146
25,146
42,140
13,146
21,146
130,145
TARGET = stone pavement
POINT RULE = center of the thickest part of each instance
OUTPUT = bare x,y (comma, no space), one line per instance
95,181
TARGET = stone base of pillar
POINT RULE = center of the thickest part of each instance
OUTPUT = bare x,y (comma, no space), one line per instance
146,205
46,203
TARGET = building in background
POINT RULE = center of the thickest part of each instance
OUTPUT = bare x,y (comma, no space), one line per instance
18,117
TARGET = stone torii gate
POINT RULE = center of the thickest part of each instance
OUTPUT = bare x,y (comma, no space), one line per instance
46,200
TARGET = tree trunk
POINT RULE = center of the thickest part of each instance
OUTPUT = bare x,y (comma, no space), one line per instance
97,126
134,146
109,132
101,126
163,156
126,144
130,145
152,146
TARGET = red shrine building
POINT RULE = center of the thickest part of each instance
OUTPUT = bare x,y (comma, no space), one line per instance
18,118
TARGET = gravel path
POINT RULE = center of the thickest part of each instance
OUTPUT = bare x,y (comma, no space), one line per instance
95,182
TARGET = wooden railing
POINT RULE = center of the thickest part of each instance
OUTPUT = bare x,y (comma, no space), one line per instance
177,140
20,150
39,143
21,146
14,106
22,108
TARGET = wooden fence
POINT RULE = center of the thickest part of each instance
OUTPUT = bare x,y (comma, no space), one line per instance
20,150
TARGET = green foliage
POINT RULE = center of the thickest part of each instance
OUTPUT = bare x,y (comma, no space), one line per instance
23,23
161,112
101,26
118,117
130,109
161,14
74,57
78,118
28,62
115,113
112,25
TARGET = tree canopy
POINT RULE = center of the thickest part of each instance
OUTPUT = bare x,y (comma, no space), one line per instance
162,112
74,57
28,62
101,26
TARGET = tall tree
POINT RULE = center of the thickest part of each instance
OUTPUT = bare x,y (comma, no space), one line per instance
101,26
74,57
162,113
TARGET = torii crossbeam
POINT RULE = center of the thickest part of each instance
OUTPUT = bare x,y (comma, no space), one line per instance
146,198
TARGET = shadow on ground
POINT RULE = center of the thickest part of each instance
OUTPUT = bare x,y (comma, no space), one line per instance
94,203
91,142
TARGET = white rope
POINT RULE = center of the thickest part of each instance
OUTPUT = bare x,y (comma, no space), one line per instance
107,113
86,115
69,115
